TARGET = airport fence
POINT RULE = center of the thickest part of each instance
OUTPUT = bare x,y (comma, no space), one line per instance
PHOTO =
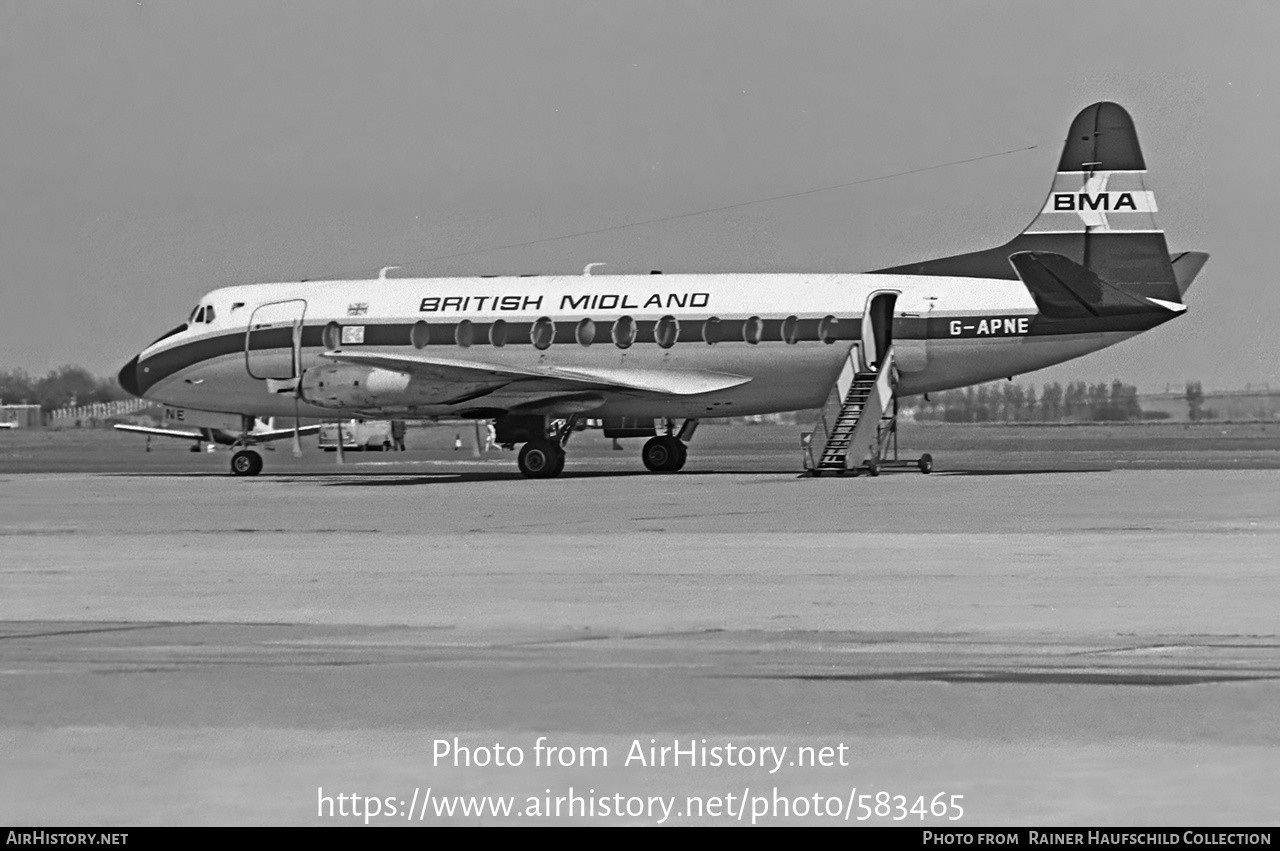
96,412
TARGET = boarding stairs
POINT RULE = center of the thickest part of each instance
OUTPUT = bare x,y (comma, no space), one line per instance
859,421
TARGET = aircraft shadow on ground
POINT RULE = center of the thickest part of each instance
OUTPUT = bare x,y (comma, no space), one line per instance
991,677
394,478
390,479
1024,472
448,478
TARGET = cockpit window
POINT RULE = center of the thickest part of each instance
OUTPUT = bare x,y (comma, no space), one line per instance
192,318
208,316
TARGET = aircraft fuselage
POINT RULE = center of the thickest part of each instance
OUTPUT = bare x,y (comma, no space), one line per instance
788,334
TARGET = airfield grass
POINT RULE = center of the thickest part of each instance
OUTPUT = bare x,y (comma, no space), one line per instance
718,446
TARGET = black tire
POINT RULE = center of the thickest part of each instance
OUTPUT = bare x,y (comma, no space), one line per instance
873,468
663,454
682,455
246,462
926,463
540,459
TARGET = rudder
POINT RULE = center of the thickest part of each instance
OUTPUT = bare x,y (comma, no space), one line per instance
1100,214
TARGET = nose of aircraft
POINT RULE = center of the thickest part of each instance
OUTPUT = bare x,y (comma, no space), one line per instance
128,377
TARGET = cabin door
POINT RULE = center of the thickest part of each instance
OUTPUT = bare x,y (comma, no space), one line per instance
273,343
877,328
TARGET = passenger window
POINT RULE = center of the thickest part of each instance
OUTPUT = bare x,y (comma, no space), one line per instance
827,330
753,330
498,333
419,336
463,334
542,333
332,336
666,332
585,333
790,330
624,332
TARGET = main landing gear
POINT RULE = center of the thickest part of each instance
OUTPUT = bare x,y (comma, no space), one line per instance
542,456
246,462
664,454
541,459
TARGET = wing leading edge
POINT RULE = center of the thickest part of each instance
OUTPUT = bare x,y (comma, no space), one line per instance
674,382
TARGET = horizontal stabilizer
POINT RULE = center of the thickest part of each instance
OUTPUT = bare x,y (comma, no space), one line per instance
1185,268
1063,289
675,382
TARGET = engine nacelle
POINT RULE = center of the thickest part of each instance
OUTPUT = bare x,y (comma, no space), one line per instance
365,387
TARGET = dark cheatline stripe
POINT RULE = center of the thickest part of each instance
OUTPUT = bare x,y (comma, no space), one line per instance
128,377
138,378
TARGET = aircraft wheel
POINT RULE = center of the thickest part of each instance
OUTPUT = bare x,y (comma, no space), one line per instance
663,454
682,455
926,463
540,459
246,462
873,468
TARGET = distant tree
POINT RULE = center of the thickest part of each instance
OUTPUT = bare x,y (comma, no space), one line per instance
1195,399
1005,401
16,387
1051,402
982,404
1126,401
69,385
1015,399
1074,401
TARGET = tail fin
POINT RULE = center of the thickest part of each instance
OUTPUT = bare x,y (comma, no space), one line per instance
1099,214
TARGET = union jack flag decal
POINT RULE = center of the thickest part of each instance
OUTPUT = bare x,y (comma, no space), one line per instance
359,308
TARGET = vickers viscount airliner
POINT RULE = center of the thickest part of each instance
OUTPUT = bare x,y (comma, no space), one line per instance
650,355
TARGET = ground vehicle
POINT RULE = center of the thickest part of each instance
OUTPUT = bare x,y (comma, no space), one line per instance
369,435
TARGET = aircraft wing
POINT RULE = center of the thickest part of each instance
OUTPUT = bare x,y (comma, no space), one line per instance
280,433
163,432
214,435
674,382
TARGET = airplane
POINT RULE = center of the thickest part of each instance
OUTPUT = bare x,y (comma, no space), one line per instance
213,429
536,354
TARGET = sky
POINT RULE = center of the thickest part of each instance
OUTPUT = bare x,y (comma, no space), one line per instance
153,151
